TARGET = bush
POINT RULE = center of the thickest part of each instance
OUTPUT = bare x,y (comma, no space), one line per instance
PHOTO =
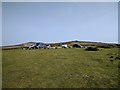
91,49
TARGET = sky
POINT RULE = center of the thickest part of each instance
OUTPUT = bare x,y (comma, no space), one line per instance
58,22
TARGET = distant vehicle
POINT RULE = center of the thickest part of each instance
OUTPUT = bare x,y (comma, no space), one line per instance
64,46
77,46
42,45
48,46
32,46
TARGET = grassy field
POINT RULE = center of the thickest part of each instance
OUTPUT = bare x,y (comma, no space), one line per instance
60,68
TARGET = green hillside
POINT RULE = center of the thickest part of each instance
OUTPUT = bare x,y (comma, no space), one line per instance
60,68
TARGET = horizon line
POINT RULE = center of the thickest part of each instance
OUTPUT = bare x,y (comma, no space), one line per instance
66,41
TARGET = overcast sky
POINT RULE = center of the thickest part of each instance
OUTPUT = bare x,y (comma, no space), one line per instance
56,22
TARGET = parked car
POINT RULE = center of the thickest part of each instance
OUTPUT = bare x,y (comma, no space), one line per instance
64,46
77,46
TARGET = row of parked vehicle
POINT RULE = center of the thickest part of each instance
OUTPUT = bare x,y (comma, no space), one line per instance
37,46
47,46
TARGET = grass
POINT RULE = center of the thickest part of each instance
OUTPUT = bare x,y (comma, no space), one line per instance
60,68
